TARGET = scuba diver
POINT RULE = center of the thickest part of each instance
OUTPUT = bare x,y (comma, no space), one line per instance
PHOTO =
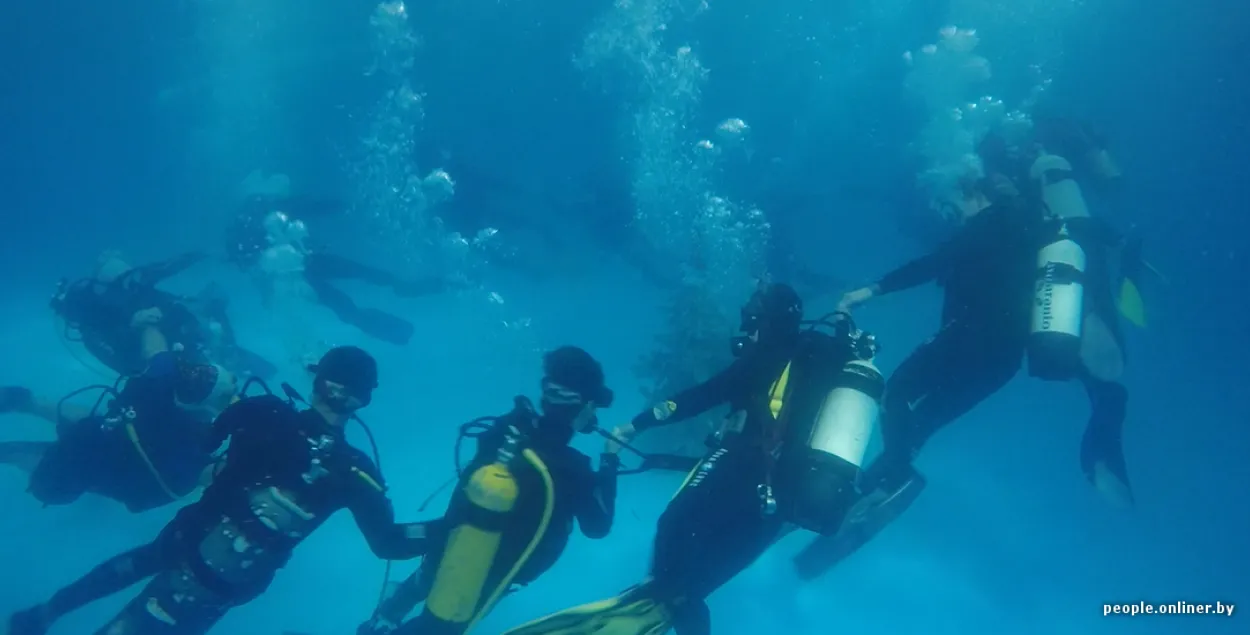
1063,158
284,473
1012,279
123,319
273,243
802,406
513,511
144,449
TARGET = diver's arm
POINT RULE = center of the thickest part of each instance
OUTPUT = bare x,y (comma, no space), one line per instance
375,516
692,402
913,274
596,513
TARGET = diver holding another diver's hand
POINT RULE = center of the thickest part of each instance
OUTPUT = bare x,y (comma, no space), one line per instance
284,473
512,512
803,403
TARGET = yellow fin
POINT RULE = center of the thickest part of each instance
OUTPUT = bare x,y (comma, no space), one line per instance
1130,303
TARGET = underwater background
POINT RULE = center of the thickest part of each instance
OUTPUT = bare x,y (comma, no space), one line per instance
621,173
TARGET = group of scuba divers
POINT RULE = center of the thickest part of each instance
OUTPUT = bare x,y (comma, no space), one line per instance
1026,275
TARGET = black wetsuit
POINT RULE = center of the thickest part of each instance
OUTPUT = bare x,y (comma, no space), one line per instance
987,272
101,314
144,451
580,494
298,458
247,241
717,524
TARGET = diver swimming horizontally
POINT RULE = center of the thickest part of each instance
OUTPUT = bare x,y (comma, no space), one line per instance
274,243
803,403
142,445
122,318
513,510
283,474
1016,280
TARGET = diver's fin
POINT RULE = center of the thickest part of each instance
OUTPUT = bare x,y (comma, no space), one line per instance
1130,304
383,326
634,612
1102,447
865,520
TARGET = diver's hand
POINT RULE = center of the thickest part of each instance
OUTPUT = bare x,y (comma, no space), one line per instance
622,434
855,298
146,317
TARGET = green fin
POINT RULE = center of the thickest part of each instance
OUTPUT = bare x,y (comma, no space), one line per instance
1130,303
631,613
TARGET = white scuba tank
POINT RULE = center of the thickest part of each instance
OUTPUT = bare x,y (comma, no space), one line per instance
1058,308
1059,190
831,462
849,414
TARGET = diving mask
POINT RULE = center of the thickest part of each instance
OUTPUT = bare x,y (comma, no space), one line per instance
563,404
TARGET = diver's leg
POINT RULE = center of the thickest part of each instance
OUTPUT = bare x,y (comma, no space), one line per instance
406,596
16,399
1102,336
941,381
62,474
331,267
173,603
110,577
713,529
24,455
326,266
1102,447
383,326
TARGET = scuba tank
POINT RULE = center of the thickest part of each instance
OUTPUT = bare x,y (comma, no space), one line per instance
1058,309
829,463
1060,191
460,594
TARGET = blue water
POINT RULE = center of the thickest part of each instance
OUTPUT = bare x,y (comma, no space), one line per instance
131,125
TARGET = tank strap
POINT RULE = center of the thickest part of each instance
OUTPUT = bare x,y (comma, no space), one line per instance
133,435
1060,273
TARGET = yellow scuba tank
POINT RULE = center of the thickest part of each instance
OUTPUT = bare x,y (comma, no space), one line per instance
460,595
834,454
471,547
1058,309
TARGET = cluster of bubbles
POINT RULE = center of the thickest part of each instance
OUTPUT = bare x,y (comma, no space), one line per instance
282,261
717,244
390,190
944,75
674,171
